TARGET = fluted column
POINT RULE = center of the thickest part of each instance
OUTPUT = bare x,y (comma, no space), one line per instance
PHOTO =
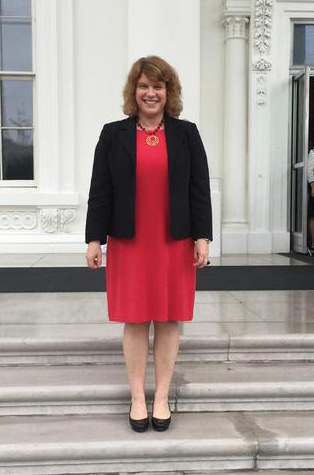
235,131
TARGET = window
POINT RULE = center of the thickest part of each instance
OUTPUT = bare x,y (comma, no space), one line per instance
16,92
303,45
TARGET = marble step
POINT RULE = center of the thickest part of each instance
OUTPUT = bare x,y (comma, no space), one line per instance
59,344
196,387
195,442
237,472
223,472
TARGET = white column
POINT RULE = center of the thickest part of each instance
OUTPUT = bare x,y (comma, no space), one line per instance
235,136
66,113
47,143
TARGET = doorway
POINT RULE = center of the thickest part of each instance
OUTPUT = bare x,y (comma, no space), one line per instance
302,142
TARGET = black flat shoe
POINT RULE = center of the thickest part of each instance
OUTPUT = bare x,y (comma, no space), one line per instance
160,425
138,425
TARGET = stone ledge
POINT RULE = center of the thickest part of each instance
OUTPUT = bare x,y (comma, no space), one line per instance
103,389
58,350
195,443
107,444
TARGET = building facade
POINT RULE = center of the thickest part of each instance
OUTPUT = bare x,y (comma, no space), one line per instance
242,64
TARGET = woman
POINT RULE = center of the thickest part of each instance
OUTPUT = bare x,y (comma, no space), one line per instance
150,196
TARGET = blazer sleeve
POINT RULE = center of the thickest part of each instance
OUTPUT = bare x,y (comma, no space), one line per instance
200,199
100,194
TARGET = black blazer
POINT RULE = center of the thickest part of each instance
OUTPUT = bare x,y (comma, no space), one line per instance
111,204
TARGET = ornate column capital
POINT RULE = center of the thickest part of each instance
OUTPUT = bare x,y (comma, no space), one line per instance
235,27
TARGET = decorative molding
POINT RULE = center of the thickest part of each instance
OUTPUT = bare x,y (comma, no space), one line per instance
66,216
18,220
262,64
263,22
261,89
235,27
263,19
50,220
54,220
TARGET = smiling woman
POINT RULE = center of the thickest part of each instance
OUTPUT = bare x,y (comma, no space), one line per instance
157,71
150,197
151,100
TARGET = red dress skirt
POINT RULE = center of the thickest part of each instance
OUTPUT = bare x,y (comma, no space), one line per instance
151,276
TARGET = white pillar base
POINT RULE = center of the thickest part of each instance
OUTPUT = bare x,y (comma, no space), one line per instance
234,240
281,241
241,241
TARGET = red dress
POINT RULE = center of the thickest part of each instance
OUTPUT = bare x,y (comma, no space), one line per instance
151,276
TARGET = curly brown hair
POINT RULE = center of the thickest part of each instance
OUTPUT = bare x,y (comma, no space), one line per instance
156,69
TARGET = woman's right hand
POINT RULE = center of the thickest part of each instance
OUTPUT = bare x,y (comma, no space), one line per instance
94,255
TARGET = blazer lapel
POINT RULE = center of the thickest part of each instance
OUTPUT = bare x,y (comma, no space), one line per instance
127,137
174,137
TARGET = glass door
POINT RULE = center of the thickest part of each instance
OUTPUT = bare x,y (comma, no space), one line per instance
300,138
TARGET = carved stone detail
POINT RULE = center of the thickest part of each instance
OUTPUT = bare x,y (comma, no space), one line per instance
263,14
54,220
235,27
261,89
18,220
262,64
66,216
263,23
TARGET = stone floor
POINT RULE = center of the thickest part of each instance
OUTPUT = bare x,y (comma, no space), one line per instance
217,313
78,260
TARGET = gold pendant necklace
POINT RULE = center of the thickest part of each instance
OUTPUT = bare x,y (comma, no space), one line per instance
152,140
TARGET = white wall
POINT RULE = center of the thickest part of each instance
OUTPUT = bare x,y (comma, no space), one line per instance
100,69
170,29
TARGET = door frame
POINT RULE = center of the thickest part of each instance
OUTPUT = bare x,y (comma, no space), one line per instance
299,236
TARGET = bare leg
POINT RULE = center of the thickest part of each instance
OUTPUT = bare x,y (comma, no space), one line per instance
166,346
135,347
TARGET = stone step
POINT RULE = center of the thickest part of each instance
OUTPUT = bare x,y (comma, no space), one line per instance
223,472
198,442
95,343
196,387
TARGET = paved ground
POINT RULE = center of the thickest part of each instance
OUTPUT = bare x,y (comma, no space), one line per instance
216,313
78,260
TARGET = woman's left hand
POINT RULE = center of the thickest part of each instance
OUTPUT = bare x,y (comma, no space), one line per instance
201,252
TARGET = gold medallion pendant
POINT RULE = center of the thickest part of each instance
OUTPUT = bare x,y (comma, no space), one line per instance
152,140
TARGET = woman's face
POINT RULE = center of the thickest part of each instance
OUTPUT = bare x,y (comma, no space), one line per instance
151,97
